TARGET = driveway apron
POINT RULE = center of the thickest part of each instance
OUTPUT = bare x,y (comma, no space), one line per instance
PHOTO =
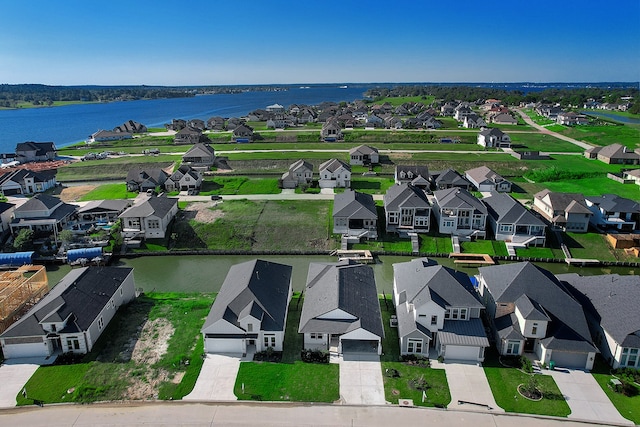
13,377
217,378
361,379
468,386
585,397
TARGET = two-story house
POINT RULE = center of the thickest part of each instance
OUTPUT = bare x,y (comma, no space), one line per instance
407,210
494,138
25,181
185,178
611,211
566,211
459,213
242,133
35,151
146,179
355,215
250,311
299,173
331,130
200,156
418,176
341,310
45,215
437,308
511,222
148,218
72,316
531,311
334,173
188,135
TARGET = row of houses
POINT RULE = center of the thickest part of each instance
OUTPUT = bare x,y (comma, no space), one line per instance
27,152
563,319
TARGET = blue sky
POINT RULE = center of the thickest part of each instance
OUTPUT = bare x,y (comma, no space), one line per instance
197,42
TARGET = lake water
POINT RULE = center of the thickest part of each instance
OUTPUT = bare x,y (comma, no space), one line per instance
615,117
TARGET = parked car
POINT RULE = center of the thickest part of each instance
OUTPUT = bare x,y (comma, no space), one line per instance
216,197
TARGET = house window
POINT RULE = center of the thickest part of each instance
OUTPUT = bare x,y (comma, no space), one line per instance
113,304
629,357
505,228
456,313
316,336
100,323
120,291
534,329
249,327
269,341
73,343
393,217
434,320
513,347
414,346
53,327
153,223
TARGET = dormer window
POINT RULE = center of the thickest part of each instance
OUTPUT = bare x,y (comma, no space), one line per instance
53,327
249,327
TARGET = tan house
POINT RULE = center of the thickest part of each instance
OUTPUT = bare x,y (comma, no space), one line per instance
567,211
613,154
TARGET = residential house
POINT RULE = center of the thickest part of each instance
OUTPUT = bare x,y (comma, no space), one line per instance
189,135
531,311
25,181
109,135
462,111
611,211
407,210
148,218
341,310
484,179
6,212
566,211
355,215
334,173
450,178
613,154
572,119
504,119
176,124
473,121
146,179
45,215
511,222
632,175
459,213
364,155
275,108
200,156
493,138
35,151
185,178
72,316
215,123
331,131
197,124
417,175
300,172
242,134
610,302
250,310
131,126
105,211
437,308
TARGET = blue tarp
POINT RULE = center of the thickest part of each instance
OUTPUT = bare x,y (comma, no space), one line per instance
16,258
474,281
88,253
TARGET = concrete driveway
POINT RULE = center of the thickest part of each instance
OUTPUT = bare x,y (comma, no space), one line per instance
468,384
585,397
361,379
217,378
13,377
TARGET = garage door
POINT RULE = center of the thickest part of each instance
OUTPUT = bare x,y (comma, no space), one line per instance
461,352
569,360
25,350
222,345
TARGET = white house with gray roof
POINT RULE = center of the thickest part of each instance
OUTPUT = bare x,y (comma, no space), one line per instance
72,316
364,155
300,172
611,303
494,138
149,217
611,211
512,222
459,213
334,173
250,311
355,215
566,211
407,209
341,310
437,309
531,311
485,179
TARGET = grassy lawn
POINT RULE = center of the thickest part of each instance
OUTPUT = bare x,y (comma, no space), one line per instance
589,246
538,252
542,142
371,185
490,247
435,244
298,382
260,225
390,342
109,191
596,186
116,168
628,406
605,134
239,185
110,372
504,386
401,387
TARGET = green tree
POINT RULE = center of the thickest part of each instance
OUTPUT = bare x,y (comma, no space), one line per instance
24,239
66,236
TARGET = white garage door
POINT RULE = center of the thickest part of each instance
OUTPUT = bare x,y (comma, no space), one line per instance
25,350
222,345
569,360
461,352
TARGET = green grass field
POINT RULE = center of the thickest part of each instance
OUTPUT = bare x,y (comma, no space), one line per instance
605,134
542,142
109,192
490,247
403,386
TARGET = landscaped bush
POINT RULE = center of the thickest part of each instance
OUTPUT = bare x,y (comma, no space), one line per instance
525,364
314,356
268,355
627,374
415,359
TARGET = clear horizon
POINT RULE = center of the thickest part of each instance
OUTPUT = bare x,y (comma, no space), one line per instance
157,43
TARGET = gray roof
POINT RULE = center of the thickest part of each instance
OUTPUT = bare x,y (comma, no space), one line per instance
39,202
363,149
463,332
352,204
407,323
300,164
492,131
105,205
82,293
405,195
414,171
422,280
568,328
451,177
615,203
507,327
504,209
611,299
155,175
260,288
158,206
341,286
459,198
200,150
483,173
566,202
530,309
333,165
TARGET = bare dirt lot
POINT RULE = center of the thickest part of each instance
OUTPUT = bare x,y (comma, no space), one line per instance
73,194
201,212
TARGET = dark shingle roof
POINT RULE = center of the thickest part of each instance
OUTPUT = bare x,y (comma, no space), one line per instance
352,204
615,203
505,209
158,206
459,198
405,195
